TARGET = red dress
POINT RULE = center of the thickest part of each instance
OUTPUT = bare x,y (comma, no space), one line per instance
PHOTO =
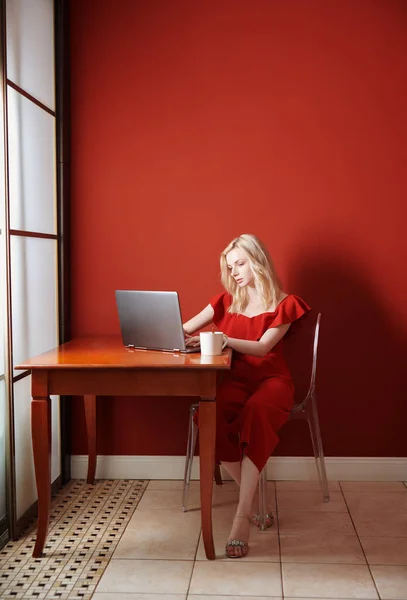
255,397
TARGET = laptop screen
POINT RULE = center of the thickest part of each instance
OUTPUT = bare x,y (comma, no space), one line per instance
150,320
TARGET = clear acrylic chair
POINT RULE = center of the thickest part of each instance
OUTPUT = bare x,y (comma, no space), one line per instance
306,409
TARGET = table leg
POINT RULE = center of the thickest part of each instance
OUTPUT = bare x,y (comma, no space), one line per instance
207,434
41,440
90,416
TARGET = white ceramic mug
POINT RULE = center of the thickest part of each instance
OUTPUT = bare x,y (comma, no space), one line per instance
212,342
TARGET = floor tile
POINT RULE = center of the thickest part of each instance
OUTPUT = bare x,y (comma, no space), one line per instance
228,484
373,486
264,547
270,500
168,499
385,550
224,497
170,484
310,500
217,597
146,576
304,486
370,524
115,596
222,518
314,523
327,581
160,534
236,578
330,549
380,502
228,494
391,582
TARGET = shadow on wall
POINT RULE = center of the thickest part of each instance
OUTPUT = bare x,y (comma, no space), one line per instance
361,374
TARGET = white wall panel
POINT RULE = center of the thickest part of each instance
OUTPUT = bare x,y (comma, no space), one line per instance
3,311
34,297
32,179
32,208
26,489
30,47
26,492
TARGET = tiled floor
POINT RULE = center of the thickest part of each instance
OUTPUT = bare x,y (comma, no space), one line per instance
129,540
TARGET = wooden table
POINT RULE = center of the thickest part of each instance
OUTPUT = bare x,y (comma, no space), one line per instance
93,367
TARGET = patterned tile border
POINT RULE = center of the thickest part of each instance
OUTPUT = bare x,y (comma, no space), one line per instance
86,524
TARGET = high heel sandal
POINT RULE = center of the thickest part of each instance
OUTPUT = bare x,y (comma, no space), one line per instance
269,520
231,544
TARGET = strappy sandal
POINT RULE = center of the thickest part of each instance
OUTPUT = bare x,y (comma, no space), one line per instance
231,544
269,520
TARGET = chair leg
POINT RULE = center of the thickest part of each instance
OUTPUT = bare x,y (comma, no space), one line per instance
315,432
218,476
191,443
263,499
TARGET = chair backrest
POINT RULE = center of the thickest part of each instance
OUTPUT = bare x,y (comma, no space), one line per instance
315,353
301,351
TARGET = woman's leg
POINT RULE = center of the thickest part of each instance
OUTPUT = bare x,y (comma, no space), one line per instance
241,522
248,485
234,470
264,413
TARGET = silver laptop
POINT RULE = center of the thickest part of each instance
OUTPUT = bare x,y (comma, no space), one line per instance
151,320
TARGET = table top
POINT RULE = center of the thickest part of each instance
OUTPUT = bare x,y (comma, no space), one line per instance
109,352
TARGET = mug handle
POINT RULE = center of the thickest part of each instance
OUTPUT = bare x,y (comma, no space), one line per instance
225,341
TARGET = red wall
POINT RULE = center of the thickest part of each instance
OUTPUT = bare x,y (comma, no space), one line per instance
193,122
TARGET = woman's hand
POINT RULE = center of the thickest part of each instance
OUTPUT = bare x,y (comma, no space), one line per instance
191,340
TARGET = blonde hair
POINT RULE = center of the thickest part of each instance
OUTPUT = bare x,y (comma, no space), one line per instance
265,277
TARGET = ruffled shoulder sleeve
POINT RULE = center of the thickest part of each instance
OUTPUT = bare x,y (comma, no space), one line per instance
220,303
291,309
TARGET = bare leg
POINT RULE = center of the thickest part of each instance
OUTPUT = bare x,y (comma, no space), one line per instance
241,522
234,470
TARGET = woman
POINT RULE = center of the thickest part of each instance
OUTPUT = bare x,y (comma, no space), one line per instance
255,397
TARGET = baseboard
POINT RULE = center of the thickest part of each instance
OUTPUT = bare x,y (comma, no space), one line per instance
301,468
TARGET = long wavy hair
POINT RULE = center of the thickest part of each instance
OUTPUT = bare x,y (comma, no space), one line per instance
265,277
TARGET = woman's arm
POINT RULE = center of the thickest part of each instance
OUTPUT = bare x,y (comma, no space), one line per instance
199,321
268,340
